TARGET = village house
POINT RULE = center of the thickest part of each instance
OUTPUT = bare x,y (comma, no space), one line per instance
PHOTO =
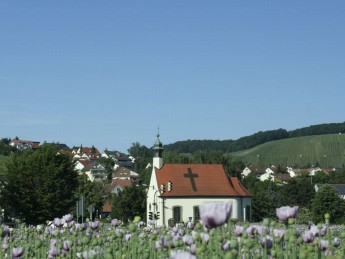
124,173
24,144
177,190
93,170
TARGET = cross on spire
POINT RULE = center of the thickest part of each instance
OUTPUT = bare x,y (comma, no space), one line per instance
191,176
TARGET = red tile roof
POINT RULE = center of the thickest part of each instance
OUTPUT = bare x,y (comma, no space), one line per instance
122,182
198,180
88,151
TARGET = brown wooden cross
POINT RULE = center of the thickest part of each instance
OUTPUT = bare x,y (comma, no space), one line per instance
191,176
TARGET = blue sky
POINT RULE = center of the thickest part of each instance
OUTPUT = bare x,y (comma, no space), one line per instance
107,73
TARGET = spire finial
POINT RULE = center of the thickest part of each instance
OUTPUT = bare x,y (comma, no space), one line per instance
158,131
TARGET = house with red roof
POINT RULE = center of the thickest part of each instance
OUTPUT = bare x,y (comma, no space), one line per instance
86,152
177,190
24,144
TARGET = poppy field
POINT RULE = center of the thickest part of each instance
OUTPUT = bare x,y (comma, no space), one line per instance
214,236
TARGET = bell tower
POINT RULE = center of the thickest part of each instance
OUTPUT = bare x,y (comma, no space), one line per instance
158,153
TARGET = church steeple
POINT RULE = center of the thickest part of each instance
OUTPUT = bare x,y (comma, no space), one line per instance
158,152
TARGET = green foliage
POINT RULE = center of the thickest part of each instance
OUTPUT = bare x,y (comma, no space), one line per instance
129,203
142,156
337,177
5,148
265,197
298,192
39,185
327,200
91,191
304,216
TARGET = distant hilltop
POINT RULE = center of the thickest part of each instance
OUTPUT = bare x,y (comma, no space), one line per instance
247,142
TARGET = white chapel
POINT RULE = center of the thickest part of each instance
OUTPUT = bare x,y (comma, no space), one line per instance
177,190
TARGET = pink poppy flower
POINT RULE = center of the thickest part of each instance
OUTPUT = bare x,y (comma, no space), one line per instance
286,212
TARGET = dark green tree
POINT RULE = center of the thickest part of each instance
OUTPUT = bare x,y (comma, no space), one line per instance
327,200
39,185
142,156
129,203
265,197
298,192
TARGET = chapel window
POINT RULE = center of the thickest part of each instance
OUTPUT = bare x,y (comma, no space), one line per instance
177,213
196,213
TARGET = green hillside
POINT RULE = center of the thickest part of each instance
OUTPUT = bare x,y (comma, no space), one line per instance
327,150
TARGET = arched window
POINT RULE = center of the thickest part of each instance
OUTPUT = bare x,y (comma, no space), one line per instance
196,213
177,211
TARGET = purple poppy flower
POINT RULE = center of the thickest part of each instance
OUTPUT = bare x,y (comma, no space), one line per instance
181,232
308,236
315,230
279,232
215,214
323,244
148,228
116,222
266,242
58,222
226,245
174,230
141,224
336,242
6,230
158,245
323,230
53,242
94,225
150,222
260,229
181,255
205,237
190,225
286,212
17,252
238,230
166,242
67,245
87,254
127,237
188,240
67,218
192,248
53,252
79,226
4,244
251,231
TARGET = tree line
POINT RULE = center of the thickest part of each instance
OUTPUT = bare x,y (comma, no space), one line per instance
261,137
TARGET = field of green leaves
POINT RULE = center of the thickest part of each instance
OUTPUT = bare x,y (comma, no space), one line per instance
326,150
